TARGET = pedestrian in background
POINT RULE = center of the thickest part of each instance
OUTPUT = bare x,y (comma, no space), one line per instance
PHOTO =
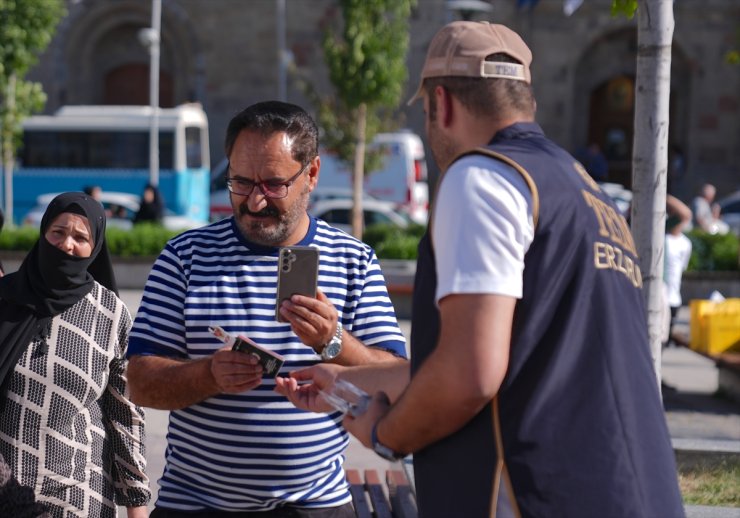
701,208
68,429
268,458
677,256
594,161
532,389
151,208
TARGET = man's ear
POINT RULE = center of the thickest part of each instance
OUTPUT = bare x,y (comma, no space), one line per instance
313,173
444,106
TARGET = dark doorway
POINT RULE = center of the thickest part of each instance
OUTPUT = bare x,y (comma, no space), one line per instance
611,125
129,84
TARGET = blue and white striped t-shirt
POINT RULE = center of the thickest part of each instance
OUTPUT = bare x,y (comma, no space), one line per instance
254,451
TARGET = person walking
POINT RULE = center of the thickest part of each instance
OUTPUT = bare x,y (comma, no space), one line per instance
68,429
234,446
531,389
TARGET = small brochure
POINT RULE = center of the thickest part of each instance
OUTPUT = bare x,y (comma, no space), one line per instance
271,361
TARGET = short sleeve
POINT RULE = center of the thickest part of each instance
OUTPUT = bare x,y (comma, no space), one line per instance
482,228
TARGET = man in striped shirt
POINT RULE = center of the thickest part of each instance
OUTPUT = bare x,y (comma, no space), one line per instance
235,447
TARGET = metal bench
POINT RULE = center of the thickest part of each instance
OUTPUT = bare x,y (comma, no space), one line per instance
375,498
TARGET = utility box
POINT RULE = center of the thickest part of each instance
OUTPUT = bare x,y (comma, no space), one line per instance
715,326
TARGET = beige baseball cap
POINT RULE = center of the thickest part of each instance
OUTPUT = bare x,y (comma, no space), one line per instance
460,49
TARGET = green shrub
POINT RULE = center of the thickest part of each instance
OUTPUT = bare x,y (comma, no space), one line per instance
142,240
21,238
713,252
391,242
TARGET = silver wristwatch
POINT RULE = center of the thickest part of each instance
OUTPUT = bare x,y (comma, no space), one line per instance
334,347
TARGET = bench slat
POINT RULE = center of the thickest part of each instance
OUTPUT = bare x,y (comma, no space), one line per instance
374,488
369,494
357,490
403,501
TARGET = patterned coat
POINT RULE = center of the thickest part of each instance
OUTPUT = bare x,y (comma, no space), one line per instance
69,430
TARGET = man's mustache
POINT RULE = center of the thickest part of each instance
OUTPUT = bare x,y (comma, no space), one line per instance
264,213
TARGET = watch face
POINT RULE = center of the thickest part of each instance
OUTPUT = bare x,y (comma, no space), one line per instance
331,350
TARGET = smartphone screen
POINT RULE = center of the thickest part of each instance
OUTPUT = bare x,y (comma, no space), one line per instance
298,272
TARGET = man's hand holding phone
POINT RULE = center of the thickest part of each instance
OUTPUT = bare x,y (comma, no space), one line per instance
314,320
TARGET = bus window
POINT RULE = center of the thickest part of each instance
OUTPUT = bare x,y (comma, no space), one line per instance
109,146
193,154
94,149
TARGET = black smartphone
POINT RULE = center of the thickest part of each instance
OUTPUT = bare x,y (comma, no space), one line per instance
298,274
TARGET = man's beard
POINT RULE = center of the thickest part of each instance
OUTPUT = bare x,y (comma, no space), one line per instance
278,227
443,149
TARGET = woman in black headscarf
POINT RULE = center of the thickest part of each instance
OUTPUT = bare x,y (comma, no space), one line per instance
151,209
67,427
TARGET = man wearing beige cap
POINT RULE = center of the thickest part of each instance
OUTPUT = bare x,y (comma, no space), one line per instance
531,390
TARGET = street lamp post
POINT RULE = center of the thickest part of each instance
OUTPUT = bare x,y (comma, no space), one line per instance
150,37
282,62
467,9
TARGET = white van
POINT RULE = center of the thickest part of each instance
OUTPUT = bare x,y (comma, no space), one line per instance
402,179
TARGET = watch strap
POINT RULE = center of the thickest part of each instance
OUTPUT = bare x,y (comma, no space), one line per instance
336,340
381,449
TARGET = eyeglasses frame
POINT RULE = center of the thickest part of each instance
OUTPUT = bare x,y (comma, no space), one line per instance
290,181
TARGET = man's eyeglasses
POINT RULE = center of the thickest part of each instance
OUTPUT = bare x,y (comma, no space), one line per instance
271,188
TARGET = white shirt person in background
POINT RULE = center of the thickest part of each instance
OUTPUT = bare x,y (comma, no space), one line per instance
677,254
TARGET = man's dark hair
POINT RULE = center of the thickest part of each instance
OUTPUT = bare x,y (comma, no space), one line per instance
488,97
274,116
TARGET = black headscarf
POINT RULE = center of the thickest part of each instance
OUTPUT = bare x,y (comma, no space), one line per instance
152,211
49,281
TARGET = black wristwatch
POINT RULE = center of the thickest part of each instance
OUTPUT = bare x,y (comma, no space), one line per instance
381,449
334,347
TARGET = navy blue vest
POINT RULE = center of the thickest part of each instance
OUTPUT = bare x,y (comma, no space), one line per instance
578,416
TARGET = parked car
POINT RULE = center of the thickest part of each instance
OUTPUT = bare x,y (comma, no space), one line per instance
121,208
334,193
730,211
401,179
338,213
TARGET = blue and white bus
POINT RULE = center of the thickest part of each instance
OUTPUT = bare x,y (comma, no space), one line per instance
108,146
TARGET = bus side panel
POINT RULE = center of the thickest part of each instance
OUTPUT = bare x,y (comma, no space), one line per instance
190,188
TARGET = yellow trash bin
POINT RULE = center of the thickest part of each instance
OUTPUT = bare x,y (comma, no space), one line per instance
715,326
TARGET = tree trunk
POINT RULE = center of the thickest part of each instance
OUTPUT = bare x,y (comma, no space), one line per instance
7,148
650,157
358,173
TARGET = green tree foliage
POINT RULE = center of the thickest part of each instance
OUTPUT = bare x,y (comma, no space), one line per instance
365,52
624,7
26,28
367,66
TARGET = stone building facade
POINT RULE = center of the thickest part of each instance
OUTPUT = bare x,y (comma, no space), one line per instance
224,54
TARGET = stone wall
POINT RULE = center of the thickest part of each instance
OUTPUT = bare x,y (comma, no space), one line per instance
223,53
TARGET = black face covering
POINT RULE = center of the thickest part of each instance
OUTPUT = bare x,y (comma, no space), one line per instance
49,281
